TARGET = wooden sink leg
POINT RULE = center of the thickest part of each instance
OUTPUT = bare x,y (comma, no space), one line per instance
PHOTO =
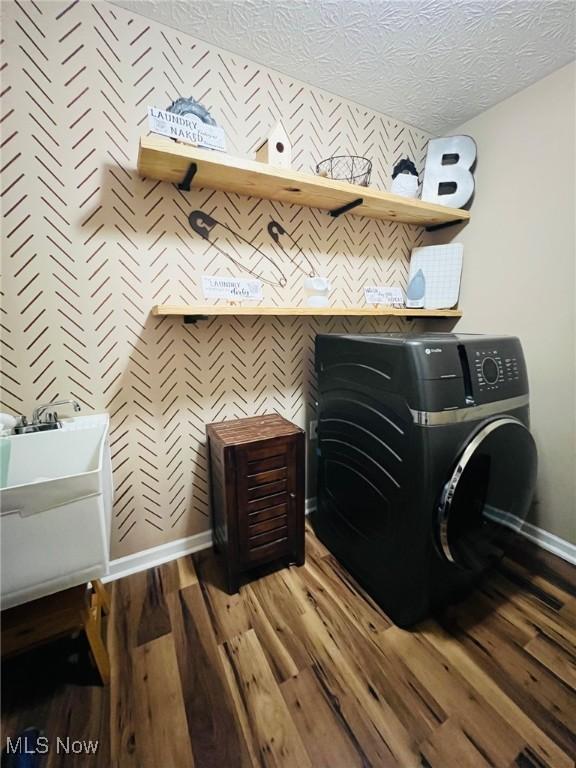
103,597
92,625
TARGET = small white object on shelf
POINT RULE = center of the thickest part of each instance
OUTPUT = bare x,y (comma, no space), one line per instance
317,289
406,185
277,149
405,178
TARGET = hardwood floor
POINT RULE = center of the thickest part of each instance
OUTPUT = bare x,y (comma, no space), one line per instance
302,670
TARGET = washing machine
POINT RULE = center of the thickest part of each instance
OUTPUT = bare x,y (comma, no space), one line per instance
426,464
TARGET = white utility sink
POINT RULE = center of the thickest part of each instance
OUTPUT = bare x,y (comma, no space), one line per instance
56,509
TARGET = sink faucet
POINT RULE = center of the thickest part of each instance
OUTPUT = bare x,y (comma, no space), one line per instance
40,425
37,412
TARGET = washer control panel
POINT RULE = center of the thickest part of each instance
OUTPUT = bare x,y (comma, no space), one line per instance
497,370
489,369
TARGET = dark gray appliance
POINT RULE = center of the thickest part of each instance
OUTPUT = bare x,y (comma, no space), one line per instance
425,461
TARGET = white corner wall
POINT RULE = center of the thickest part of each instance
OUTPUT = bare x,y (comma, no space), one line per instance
519,274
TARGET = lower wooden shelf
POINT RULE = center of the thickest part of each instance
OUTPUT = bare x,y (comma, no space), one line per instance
197,311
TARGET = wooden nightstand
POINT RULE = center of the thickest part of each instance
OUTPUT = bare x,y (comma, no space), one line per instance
257,490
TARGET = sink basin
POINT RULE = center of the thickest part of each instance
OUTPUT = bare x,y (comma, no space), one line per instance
48,469
56,509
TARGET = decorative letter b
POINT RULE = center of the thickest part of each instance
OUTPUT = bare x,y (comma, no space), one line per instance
448,179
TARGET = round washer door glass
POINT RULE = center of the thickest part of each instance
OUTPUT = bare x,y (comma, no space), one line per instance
491,485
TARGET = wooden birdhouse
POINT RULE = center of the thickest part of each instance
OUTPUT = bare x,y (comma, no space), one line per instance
276,150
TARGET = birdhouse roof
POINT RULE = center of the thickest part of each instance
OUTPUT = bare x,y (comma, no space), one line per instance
277,131
278,128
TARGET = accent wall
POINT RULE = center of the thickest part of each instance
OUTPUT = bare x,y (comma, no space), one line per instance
88,247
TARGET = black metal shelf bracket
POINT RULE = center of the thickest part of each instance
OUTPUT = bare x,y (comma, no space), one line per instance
345,208
188,177
445,225
193,319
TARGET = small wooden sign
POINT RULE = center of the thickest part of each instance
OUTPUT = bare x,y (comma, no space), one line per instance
381,294
233,288
187,128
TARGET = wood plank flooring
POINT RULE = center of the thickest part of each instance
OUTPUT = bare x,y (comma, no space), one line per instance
302,670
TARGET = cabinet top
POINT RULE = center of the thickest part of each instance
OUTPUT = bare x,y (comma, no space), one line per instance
238,431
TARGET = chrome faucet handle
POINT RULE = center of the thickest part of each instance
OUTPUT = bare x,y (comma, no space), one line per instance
37,412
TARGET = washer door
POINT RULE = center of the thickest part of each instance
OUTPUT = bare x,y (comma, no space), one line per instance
490,490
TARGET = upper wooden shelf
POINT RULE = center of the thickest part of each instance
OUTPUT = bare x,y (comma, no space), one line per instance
197,311
164,159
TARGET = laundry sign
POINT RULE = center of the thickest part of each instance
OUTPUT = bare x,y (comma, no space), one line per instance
381,294
232,288
188,128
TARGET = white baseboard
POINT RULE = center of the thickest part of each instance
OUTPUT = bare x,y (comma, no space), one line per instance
150,558
164,553
550,542
545,540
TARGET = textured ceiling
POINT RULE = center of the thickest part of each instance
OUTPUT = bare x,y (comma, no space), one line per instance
431,63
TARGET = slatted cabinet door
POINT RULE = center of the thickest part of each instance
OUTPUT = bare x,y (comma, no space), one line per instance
257,492
270,499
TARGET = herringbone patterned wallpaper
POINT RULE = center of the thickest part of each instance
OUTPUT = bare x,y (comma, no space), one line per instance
89,247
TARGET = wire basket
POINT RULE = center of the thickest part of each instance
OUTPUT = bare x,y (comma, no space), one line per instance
351,168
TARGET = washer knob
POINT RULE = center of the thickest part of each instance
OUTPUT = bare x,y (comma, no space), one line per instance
490,370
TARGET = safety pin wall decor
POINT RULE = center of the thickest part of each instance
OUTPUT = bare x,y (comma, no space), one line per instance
276,231
203,224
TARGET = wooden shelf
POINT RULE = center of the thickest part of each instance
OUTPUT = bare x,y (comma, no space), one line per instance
199,311
164,159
